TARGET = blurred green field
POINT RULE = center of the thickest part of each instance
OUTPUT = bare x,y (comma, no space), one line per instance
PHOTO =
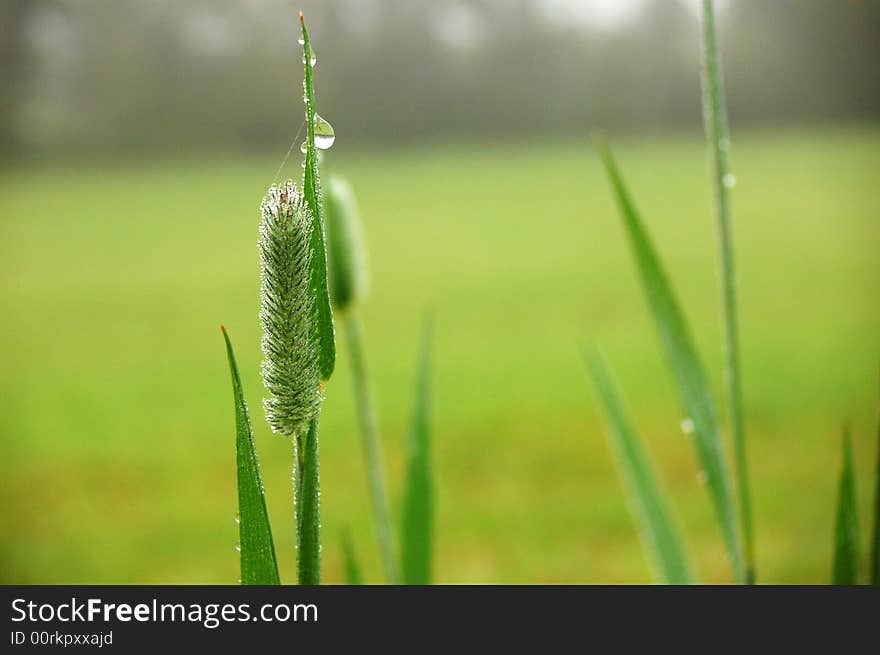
116,412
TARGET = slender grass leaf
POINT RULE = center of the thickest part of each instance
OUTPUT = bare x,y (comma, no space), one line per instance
659,533
693,385
846,532
352,570
372,455
309,511
875,541
418,503
715,120
323,318
258,564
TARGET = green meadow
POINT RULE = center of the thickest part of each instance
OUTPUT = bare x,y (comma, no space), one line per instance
116,414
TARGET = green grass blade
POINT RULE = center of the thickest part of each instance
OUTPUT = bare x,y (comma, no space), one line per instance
715,120
693,385
352,570
309,511
258,564
312,191
846,532
875,541
658,531
370,438
418,503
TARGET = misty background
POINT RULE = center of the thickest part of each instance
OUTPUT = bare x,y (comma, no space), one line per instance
99,77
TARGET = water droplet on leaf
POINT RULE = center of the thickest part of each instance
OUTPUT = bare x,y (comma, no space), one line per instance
687,426
729,180
324,134
314,58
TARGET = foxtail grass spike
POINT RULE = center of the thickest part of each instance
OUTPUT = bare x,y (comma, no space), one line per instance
346,252
715,120
846,532
322,325
290,354
256,548
658,531
684,362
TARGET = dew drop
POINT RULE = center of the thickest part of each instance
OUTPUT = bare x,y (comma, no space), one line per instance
687,426
314,58
729,180
324,134
237,518
304,146
238,548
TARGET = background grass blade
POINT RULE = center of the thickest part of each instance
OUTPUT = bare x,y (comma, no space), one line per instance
658,531
352,570
258,564
693,386
846,532
875,541
715,120
418,503
312,191
347,259
370,438
309,511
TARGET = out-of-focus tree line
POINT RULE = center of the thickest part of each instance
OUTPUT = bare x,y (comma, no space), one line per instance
112,77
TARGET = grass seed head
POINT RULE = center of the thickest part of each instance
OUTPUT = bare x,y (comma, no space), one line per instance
290,351
346,252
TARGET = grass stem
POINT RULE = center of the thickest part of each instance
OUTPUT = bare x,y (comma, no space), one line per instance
370,439
308,505
715,119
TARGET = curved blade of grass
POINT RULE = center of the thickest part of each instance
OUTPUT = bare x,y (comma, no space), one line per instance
370,438
659,533
312,191
846,532
258,564
309,511
693,386
352,570
715,119
418,502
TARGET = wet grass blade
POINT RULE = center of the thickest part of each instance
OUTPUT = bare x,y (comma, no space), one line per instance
846,532
660,535
715,120
309,511
352,570
693,385
312,191
418,503
258,564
